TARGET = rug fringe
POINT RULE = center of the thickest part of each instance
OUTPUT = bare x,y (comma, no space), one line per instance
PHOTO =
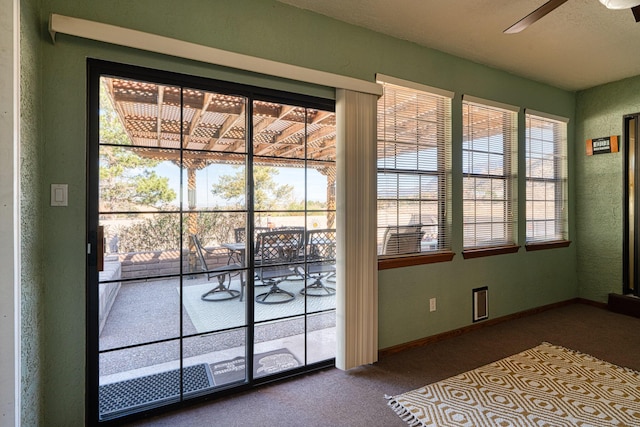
404,414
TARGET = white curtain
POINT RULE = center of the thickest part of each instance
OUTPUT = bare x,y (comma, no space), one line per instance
357,297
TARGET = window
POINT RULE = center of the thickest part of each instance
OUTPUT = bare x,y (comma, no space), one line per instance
546,176
488,141
414,136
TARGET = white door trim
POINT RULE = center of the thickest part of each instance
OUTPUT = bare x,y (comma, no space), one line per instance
9,216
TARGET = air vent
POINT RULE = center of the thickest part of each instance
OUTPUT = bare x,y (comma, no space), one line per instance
480,304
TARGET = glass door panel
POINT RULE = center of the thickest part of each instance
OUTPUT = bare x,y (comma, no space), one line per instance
294,195
139,312
321,336
188,211
139,378
162,149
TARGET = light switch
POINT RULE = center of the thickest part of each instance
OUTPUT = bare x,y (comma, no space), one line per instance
59,194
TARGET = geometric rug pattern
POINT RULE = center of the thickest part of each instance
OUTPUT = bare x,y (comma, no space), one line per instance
547,385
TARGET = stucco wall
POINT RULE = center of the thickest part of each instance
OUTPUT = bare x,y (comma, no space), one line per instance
271,30
31,199
600,187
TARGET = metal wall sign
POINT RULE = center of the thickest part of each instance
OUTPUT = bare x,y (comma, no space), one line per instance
606,144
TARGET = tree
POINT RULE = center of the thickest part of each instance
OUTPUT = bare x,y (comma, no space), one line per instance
127,180
267,194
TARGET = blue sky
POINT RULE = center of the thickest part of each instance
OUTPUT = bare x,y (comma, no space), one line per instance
208,176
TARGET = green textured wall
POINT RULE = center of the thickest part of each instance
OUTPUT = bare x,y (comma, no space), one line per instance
599,187
274,31
31,176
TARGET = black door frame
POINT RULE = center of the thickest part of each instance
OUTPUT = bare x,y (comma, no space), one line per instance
631,240
95,69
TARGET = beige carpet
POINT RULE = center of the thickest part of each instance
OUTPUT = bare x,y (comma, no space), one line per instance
547,385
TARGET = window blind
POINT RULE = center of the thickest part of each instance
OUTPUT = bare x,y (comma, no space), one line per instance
546,178
488,144
414,139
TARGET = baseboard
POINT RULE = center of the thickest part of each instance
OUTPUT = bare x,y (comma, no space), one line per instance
585,301
456,332
624,304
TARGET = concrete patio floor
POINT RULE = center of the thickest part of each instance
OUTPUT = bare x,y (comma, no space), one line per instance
148,311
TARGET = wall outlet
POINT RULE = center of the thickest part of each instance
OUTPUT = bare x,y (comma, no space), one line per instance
432,304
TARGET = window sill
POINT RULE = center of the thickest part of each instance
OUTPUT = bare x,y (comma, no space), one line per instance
547,245
406,261
494,250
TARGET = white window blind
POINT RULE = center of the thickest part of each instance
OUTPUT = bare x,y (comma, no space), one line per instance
414,139
488,143
546,178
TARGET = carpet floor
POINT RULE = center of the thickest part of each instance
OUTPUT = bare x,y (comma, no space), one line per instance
356,398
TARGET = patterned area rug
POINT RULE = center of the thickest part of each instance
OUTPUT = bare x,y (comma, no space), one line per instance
547,385
215,315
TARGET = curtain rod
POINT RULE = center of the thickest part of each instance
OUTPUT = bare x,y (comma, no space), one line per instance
181,49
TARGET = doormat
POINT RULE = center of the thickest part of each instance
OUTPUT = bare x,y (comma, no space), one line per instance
268,363
152,390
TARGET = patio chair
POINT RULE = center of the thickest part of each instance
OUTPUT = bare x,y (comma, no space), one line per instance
400,240
240,235
222,273
276,253
321,262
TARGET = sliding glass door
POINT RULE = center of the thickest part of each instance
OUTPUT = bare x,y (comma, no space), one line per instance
211,231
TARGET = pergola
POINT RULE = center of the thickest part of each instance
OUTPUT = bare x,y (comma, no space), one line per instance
211,128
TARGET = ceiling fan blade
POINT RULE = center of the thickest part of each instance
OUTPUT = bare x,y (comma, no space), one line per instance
534,16
636,13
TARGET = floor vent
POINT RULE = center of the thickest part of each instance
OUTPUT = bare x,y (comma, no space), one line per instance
480,304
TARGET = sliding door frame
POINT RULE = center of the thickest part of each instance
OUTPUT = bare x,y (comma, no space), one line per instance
95,69
631,195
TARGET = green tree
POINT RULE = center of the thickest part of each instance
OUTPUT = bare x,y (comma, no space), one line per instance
126,179
267,194
161,232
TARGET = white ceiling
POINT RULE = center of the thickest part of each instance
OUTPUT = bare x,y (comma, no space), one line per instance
579,45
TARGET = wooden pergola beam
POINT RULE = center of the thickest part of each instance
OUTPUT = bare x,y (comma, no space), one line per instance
197,118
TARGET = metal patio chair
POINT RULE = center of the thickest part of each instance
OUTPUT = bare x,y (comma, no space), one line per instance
404,239
276,254
320,262
223,273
